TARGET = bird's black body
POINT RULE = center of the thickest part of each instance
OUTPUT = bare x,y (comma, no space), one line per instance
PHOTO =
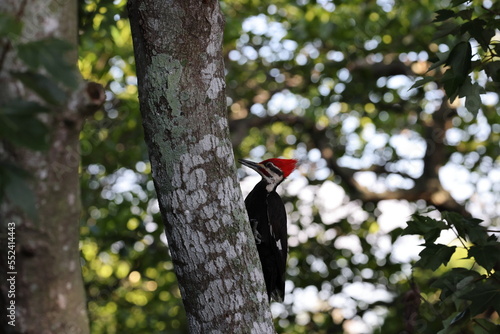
268,211
267,216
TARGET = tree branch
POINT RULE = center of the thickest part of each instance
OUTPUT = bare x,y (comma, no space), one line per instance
426,187
91,98
84,102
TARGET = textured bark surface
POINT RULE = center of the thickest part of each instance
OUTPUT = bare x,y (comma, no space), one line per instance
49,293
182,98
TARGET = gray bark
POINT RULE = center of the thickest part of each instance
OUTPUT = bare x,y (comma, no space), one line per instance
49,292
180,73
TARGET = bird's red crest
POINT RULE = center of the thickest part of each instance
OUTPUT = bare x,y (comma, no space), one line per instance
286,165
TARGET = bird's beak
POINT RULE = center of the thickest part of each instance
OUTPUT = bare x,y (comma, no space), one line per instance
255,166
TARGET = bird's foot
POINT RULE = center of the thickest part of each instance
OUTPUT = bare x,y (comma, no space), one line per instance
256,234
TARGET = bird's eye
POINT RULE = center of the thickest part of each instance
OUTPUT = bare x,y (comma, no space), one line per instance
272,167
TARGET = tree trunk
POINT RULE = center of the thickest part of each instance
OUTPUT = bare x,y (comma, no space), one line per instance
46,286
182,98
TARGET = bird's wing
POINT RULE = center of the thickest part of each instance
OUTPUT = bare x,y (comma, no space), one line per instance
277,220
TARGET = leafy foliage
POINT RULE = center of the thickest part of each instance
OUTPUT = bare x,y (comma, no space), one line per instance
327,82
14,187
19,124
434,255
466,293
10,27
466,24
51,78
49,54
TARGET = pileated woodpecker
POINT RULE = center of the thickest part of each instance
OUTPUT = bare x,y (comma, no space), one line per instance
267,215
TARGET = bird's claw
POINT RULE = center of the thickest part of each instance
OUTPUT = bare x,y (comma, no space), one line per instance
256,234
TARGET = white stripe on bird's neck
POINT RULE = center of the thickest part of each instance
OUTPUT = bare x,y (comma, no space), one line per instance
273,181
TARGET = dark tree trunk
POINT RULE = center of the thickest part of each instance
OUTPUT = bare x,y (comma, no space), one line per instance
182,97
48,288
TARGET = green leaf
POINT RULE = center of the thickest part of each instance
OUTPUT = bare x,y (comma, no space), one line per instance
467,228
50,54
454,280
22,107
477,29
396,233
427,227
442,59
19,124
459,60
451,84
482,297
483,326
435,255
43,86
472,94
452,324
445,29
487,256
461,317
457,86
465,14
29,54
422,82
15,187
444,14
25,131
493,69
9,25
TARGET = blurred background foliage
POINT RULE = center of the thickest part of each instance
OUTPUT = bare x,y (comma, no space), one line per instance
327,82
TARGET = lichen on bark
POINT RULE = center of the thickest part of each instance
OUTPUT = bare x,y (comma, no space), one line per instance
181,91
